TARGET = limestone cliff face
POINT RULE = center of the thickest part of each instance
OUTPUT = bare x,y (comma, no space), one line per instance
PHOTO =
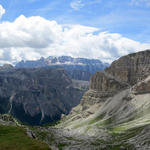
122,73
131,68
102,81
102,86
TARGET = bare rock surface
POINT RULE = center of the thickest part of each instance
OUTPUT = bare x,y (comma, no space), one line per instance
131,68
7,120
102,81
143,86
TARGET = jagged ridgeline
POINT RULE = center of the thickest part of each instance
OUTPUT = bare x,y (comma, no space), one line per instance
77,68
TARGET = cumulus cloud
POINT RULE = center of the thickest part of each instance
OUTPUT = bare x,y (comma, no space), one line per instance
34,32
33,37
145,3
2,11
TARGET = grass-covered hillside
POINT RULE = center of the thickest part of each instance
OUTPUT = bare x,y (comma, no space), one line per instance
15,138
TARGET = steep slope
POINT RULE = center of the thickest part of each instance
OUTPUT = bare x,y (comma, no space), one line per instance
114,113
131,68
77,68
37,96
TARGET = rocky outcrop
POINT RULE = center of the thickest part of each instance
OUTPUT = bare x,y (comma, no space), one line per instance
131,68
37,96
6,119
103,82
142,87
102,87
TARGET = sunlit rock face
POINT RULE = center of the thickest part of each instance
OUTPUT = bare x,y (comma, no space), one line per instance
102,81
131,68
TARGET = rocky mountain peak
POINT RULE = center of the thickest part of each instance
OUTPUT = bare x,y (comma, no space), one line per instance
6,67
125,71
77,68
131,68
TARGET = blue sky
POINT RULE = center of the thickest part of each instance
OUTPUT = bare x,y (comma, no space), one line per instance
128,18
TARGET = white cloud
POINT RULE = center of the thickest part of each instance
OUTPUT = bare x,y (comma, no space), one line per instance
34,32
145,3
31,38
76,4
2,11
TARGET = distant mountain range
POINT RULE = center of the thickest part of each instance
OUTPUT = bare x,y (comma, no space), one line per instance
78,68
